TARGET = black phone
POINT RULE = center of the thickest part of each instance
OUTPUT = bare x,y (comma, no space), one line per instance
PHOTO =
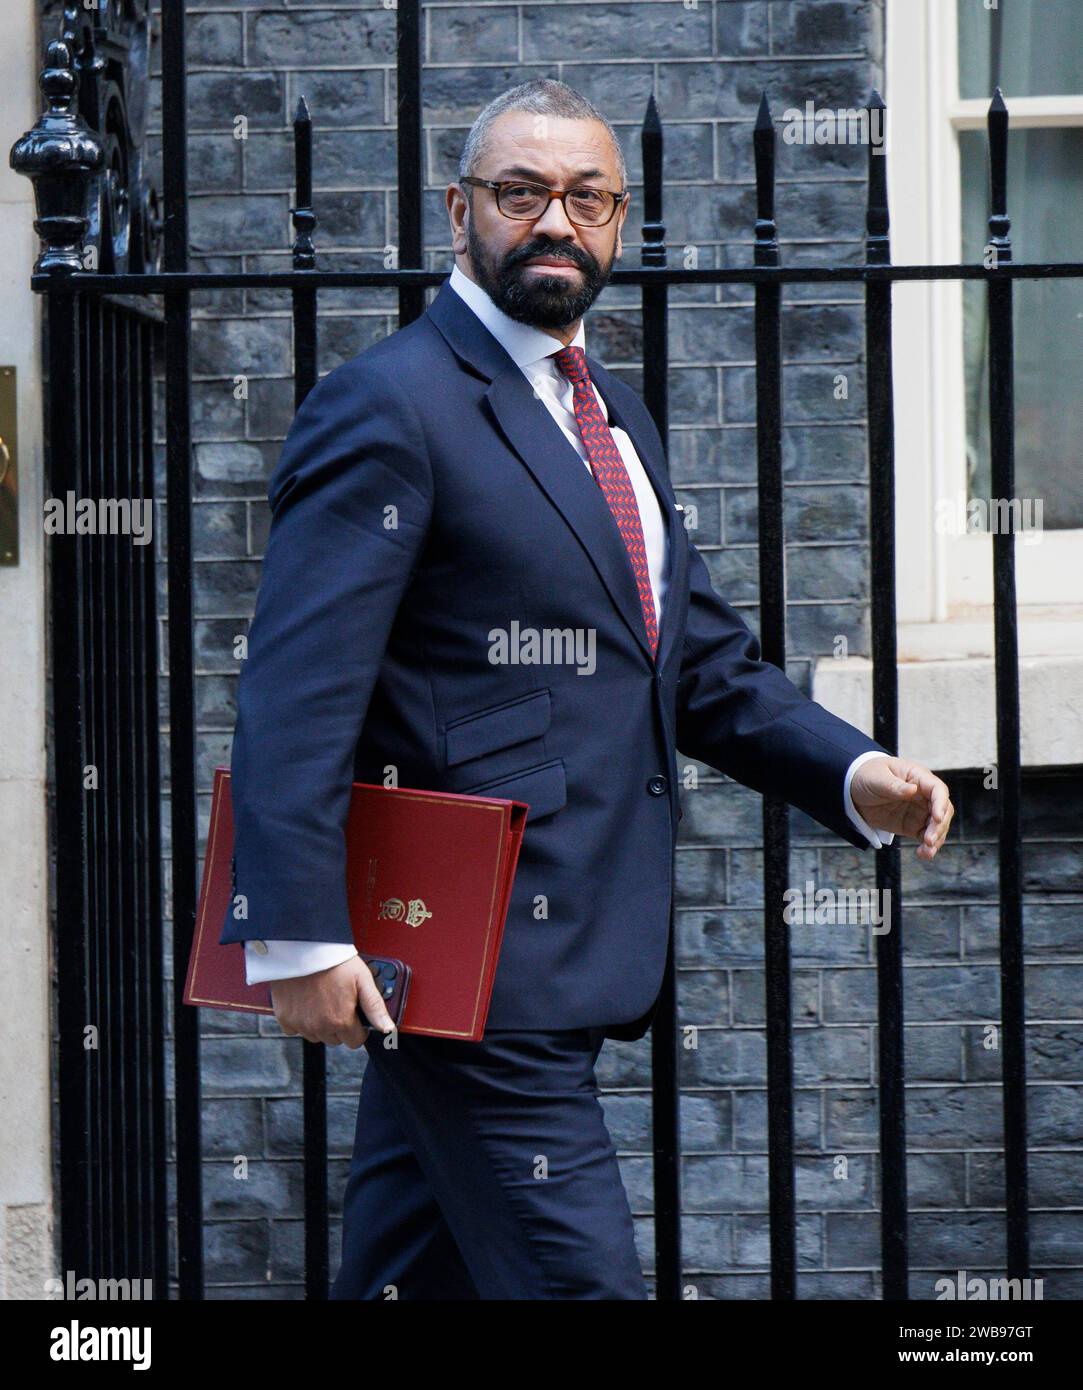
392,978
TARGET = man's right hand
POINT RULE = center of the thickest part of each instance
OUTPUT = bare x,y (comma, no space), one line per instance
323,1007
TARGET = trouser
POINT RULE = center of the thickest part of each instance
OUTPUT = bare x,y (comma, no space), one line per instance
485,1171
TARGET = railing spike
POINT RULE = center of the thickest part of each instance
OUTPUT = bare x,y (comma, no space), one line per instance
999,222
651,120
303,215
877,216
652,147
763,149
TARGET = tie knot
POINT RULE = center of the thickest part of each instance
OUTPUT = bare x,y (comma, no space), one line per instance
572,361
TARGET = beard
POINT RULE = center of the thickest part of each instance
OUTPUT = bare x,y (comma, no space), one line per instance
532,297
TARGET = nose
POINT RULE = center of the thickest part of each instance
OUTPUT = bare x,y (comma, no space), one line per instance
554,223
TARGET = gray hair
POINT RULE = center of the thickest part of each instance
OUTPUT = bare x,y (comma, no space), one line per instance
543,96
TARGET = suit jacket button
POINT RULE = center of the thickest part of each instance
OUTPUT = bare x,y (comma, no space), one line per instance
657,786
260,947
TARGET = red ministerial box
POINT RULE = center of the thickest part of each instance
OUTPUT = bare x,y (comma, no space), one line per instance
429,879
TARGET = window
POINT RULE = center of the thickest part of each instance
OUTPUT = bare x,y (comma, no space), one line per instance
943,60
1028,48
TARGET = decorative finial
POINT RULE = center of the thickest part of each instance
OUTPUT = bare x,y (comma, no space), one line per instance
60,154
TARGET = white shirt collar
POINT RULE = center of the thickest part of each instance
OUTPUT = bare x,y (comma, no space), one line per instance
523,344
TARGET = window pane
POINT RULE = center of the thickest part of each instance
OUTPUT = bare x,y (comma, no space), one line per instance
1043,176
1028,48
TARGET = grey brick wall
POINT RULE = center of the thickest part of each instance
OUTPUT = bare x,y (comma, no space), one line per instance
707,64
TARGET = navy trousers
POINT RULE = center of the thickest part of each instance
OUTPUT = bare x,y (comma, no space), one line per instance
485,1171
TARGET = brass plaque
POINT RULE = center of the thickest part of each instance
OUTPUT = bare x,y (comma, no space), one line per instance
9,491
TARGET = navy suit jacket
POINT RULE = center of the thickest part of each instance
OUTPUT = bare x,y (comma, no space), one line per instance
425,500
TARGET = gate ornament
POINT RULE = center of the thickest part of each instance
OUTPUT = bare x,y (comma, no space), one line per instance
96,210
61,154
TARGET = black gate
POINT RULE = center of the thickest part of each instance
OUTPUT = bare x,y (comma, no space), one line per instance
84,157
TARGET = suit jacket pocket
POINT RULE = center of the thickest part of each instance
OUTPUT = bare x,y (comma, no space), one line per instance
500,726
543,788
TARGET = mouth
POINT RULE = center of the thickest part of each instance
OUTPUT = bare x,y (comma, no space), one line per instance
552,267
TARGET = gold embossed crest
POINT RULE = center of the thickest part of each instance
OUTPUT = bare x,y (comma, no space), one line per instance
413,913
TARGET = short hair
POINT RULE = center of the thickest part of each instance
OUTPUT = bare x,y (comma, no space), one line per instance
543,96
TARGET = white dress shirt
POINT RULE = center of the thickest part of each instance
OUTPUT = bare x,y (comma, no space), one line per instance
532,350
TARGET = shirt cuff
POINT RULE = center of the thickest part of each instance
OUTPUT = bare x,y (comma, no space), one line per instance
877,838
285,960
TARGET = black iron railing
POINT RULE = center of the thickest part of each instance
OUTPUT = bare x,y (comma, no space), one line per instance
96,210
113,1159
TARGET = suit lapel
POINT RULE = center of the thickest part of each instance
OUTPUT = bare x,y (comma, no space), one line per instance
545,450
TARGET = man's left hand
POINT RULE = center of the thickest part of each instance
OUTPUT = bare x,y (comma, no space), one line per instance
900,795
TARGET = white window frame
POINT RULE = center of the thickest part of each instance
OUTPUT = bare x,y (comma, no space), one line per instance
947,576
947,709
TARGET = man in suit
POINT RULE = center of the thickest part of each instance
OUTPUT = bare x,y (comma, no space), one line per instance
477,577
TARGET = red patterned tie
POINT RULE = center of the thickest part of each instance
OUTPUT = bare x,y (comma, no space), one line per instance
612,476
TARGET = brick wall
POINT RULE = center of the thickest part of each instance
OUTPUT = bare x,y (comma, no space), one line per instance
707,64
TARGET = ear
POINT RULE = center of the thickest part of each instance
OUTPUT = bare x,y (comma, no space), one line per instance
619,251
458,209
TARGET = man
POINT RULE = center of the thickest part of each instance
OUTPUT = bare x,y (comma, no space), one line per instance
473,478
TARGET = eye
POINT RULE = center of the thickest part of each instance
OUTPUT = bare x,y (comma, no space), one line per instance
589,205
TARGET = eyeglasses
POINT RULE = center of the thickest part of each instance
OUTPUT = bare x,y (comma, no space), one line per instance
583,207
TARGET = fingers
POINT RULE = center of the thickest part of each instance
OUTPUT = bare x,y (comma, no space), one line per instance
930,811
371,1003
324,1008
937,831
336,1007
352,1030
927,782
349,1031
941,812
940,802
354,1033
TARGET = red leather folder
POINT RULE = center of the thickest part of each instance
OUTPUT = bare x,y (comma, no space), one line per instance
429,881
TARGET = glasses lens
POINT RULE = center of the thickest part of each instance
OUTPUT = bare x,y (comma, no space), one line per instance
585,206
522,200
588,205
